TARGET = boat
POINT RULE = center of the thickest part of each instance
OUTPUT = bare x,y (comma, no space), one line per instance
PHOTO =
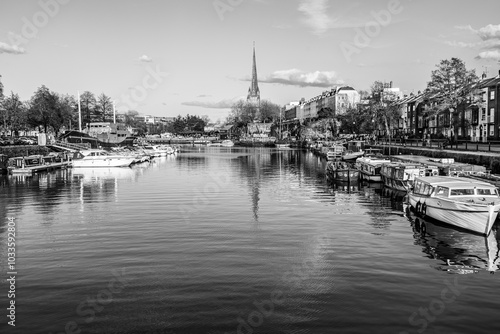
341,171
401,175
101,134
355,149
101,158
281,143
462,202
370,168
3,163
227,143
335,152
37,163
350,155
446,166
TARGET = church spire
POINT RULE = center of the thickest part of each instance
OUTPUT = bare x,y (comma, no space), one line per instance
253,92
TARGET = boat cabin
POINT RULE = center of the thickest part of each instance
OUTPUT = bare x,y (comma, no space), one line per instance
457,189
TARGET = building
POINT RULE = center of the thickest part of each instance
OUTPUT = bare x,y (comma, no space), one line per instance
253,91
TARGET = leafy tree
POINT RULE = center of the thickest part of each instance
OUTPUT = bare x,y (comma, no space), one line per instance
65,113
103,108
268,111
14,113
42,107
450,86
87,104
242,113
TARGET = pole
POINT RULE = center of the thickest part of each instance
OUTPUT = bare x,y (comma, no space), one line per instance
79,113
114,113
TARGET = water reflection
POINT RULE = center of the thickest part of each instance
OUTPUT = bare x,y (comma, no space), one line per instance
459,252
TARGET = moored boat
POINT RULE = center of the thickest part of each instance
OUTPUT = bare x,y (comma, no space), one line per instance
227,143
335,152
400,175
370,167
462,202
341,171
101,158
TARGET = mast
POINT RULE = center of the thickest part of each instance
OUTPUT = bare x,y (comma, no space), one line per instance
79,113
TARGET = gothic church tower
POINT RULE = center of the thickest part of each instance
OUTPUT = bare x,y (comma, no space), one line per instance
253,92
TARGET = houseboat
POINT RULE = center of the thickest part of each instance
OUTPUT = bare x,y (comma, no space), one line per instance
355,149
3,163
400,176
31,164
341,171
370,167
335,152
462,202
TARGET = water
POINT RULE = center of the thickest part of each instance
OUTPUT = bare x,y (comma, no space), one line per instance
232,240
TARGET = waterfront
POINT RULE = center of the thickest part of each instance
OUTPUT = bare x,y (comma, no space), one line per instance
227,240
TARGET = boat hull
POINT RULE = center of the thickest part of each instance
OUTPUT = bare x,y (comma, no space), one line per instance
109,162
478,218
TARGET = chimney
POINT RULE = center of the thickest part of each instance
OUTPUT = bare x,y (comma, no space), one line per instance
483,76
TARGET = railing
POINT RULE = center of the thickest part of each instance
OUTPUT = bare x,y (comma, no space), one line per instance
70,146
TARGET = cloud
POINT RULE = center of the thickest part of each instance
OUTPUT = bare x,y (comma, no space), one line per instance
145,59
13,49
223,104
203,95
490,41
295,77
315,15
490,54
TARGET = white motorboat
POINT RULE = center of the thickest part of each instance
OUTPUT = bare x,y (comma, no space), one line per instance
462,202
101,158
227,143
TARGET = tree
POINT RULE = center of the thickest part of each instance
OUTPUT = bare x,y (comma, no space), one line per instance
87,103
242,113
42,107
103,107
65,113
383,108
268,111
14,113
450,87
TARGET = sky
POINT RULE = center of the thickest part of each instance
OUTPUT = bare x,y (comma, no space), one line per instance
179,57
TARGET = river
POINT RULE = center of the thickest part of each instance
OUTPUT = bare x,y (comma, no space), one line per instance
234,240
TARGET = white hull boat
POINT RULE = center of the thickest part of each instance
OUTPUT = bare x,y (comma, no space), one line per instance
462,202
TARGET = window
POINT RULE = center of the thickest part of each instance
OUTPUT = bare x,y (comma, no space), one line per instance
483,114
462,192
492,94
486,192
442,192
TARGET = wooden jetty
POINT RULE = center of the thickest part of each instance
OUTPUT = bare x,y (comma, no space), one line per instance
29,165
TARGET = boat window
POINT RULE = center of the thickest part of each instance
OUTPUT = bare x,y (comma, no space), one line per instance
419,187
487,192
428,189
442,192
461,192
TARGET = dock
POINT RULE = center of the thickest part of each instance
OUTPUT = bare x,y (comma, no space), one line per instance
36,163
